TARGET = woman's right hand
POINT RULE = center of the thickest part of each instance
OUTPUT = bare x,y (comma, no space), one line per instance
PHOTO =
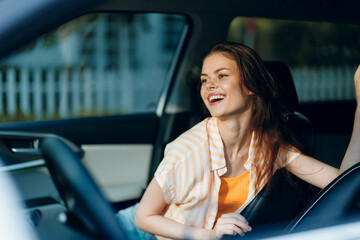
230,224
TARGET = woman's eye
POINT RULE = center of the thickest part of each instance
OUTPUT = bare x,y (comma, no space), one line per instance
222,76
204,80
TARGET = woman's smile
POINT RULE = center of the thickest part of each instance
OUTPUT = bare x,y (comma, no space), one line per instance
215,98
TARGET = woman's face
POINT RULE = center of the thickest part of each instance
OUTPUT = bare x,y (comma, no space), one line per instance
221,88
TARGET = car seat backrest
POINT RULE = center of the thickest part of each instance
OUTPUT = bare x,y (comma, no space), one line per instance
298,123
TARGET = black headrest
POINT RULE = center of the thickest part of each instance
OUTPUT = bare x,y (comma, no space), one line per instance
298,123
283,78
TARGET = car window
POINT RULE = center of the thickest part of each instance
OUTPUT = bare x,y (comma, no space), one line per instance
322,56
96,65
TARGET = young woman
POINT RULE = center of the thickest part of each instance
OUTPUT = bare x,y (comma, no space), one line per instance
212,171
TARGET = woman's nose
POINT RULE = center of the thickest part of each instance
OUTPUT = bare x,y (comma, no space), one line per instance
211,85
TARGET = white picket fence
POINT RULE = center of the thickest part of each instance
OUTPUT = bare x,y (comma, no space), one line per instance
324,83
40,93
57,93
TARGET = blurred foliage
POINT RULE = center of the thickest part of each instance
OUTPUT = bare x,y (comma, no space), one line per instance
299,43
87,24
53,37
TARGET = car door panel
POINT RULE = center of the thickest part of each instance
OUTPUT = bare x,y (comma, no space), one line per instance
117,150
121,170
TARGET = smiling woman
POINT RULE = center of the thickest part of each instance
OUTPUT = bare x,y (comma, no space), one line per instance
115,78
248,134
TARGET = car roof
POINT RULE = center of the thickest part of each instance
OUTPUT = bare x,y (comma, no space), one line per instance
31,18
314,10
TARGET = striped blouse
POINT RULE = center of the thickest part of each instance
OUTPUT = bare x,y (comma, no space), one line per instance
189,175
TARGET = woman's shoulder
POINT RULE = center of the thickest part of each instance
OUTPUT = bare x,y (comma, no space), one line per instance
287,153
193,138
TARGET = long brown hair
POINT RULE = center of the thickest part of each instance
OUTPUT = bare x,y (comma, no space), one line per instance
269,116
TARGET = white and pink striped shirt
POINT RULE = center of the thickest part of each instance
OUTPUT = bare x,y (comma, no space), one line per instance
189,175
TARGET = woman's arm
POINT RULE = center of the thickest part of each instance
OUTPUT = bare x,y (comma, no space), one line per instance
320,174
352,155
312,171
149,217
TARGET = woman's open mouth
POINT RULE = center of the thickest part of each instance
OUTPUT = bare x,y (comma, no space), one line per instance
216,98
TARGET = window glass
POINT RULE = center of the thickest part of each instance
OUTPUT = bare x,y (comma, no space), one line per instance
322,56
96,65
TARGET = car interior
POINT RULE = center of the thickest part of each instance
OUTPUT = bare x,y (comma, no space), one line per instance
91,92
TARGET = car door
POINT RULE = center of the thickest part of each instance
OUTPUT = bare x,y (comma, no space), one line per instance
101,80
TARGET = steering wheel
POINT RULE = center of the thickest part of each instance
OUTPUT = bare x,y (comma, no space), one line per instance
339,202
79,191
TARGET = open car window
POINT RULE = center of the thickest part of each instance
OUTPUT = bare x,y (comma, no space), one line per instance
97,65
322,56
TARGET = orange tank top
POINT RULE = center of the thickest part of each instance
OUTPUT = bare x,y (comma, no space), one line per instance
233,193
